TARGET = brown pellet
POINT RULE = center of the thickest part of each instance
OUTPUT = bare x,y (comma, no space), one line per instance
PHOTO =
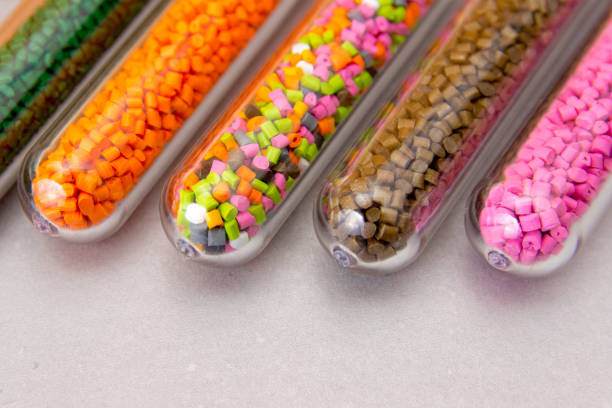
386,233
384,177
354,244
382,195
373,214
368,230
363,200
347,203
375,247
388,215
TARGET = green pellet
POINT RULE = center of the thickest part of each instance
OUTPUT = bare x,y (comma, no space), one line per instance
231,178
270,112
273,154
232,229
283,125
293,96
258,212
207,201
290,182
301,149
213,178
228,211
262,140
311,82
350,48
269,129
200,187
259,185
273,193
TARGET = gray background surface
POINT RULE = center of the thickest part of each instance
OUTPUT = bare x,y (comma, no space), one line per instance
127,323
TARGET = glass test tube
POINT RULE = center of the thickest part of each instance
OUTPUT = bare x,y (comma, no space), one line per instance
391,192
87,175
531,214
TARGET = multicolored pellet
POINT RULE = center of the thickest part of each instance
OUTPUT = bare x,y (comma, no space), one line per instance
119,133
390,185
245,171
47,57
554,173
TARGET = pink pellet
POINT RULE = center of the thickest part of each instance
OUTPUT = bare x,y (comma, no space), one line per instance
530,222
280,181
585,120
541,204
532,240
267,203
567,112
549,219
245,219
522,205
602,145
280,141
585,192
548,243
261,162
559,233
541,189
250,150
242,203
252,231
577,175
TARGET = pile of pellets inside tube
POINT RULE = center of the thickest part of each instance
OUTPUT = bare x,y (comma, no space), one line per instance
559,169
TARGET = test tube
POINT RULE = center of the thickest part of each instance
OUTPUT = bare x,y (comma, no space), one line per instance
225,201
530,215
89,173
389,194
46,50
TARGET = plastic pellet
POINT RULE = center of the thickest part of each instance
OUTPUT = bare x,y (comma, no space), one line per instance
45,57
141,107
573,138
297,106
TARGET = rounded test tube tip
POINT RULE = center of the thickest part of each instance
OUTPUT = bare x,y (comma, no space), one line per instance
186,249
342,257
42,225
498,260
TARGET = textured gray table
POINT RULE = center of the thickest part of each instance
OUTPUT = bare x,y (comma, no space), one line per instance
127,323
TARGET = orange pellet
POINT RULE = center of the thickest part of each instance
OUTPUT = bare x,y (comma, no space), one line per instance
255,196
245,173
125,126
244,188
86,203
213,219
190,180
221,192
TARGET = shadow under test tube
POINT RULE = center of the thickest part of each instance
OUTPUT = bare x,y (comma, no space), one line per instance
228,198
530,215
87,175
387,197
